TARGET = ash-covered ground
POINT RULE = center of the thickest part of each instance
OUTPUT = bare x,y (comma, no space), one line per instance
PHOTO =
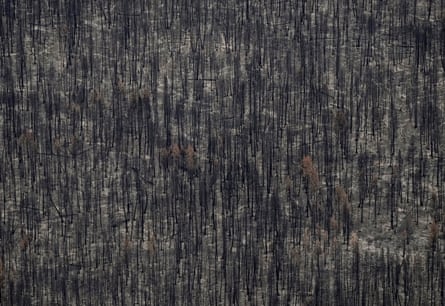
222,152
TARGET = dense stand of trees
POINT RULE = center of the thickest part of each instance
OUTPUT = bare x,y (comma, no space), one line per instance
222,152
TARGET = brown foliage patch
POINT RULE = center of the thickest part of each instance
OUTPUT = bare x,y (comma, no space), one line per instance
310,172
190,158
24,242
354,242
335,226
151,244
175,151
340,195
97,97
433,234
185,159
343,202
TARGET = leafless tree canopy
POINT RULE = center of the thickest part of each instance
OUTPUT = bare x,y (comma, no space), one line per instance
222,152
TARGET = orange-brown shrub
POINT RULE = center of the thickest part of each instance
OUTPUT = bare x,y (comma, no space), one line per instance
175,151
151,244
24,242
433,234
190,158
354,242
335,226
310,172
341,196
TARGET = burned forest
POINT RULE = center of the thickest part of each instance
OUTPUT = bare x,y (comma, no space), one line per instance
222,152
